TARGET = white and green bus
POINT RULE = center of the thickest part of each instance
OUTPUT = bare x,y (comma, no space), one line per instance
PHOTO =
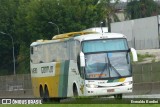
81,64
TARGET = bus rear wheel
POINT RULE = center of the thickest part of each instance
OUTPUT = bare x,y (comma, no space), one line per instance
46,94
41,91
118,96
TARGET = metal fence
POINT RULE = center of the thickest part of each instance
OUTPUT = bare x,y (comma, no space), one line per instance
141,33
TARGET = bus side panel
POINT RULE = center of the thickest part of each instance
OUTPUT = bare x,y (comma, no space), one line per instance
35,87
50,79
57,84
74,78
63,80
51,83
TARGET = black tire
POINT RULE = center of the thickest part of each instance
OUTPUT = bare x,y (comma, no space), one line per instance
118,96
41,92
46,95
75,91
56,100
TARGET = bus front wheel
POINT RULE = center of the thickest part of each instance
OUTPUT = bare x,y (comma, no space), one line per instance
75,91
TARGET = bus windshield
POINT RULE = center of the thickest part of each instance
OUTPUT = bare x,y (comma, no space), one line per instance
105,45
107,65
107,59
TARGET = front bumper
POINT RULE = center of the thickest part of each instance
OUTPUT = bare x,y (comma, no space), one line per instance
108,90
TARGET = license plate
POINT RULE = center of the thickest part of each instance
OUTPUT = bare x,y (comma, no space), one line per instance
110,90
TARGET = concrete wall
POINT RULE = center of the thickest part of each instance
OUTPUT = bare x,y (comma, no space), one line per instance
16,86
146,78
141,33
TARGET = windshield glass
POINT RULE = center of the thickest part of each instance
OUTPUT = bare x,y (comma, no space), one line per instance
107,65
105,45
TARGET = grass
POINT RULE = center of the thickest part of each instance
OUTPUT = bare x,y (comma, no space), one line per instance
141,57
85,105
91,103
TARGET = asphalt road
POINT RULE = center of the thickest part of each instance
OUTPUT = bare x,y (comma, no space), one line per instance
143,96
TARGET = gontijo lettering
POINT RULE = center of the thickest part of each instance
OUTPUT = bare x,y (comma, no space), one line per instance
47,69
34,70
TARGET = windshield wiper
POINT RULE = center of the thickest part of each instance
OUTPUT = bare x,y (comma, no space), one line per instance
111,66
105,68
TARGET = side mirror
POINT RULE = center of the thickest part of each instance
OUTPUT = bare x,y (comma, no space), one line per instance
134,54
82,59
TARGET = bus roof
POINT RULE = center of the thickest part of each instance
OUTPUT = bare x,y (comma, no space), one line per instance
99,36
71,34
81,36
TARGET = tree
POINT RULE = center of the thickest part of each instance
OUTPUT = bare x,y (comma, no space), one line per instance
142,8
109,10
33,17
8,9
27,21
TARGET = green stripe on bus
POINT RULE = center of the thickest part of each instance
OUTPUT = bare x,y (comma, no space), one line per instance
65,85
60,88
116,80
63,80
109,81
113,80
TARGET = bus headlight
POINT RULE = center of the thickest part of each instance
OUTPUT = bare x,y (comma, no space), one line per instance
91,86
127,83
